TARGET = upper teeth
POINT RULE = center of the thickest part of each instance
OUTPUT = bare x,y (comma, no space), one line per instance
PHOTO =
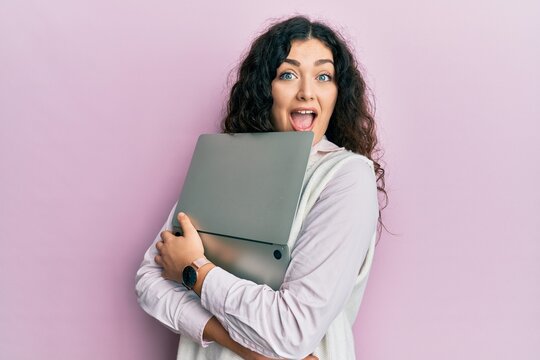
306,112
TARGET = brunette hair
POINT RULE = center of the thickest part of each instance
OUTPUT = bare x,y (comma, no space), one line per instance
352,123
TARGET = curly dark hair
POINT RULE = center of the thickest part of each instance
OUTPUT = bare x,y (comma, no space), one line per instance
352,124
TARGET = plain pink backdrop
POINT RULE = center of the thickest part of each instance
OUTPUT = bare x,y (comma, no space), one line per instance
101,103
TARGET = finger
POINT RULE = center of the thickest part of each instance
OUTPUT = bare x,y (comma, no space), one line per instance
185,223
159,245
166,235
158,260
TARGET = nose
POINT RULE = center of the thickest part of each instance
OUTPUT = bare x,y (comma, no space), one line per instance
305,92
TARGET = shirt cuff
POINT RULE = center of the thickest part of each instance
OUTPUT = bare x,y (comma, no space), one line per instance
195,319
214,292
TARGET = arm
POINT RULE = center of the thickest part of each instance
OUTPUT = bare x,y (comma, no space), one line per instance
167,301
180,310
325,262
216,332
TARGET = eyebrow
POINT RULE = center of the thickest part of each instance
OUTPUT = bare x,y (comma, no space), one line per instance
318,62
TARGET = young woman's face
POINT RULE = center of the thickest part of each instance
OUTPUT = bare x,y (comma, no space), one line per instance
304,90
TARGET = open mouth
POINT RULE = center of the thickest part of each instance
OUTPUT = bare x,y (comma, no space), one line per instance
303,120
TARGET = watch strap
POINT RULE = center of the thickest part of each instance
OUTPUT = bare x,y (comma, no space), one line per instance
199,263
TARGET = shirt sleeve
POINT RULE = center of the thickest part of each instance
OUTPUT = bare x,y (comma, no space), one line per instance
325,261
168,302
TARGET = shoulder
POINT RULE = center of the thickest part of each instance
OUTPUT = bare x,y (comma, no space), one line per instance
355,167
355,174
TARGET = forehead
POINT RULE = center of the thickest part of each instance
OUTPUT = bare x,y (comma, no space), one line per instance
309,51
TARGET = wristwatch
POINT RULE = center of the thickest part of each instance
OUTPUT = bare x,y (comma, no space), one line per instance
189,275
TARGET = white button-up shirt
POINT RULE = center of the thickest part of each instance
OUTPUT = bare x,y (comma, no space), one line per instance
325,261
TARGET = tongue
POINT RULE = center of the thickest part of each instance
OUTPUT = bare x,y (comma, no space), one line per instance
302,121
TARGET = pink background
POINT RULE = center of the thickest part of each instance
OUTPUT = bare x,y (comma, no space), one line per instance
101,103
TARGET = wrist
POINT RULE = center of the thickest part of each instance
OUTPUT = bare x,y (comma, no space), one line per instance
189,259
201,276
191,272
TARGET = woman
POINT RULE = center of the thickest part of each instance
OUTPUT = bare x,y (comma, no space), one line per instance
298,76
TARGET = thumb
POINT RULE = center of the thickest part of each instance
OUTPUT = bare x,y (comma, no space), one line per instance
185,223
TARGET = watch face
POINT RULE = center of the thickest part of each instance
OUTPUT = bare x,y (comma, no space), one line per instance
189,277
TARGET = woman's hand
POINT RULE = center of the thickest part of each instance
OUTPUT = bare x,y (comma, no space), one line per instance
177,252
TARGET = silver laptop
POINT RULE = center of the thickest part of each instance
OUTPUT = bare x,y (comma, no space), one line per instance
241,194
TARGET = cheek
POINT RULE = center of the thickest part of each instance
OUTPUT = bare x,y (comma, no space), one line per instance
330,99
278,96
278,120
279,105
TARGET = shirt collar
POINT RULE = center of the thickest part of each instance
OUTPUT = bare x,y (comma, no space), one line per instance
325,146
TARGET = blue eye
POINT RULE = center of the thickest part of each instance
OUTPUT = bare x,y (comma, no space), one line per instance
287,76
324,77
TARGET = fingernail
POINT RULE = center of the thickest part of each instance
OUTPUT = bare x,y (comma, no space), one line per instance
182,214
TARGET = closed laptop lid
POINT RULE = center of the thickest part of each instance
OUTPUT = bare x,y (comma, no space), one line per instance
246,185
